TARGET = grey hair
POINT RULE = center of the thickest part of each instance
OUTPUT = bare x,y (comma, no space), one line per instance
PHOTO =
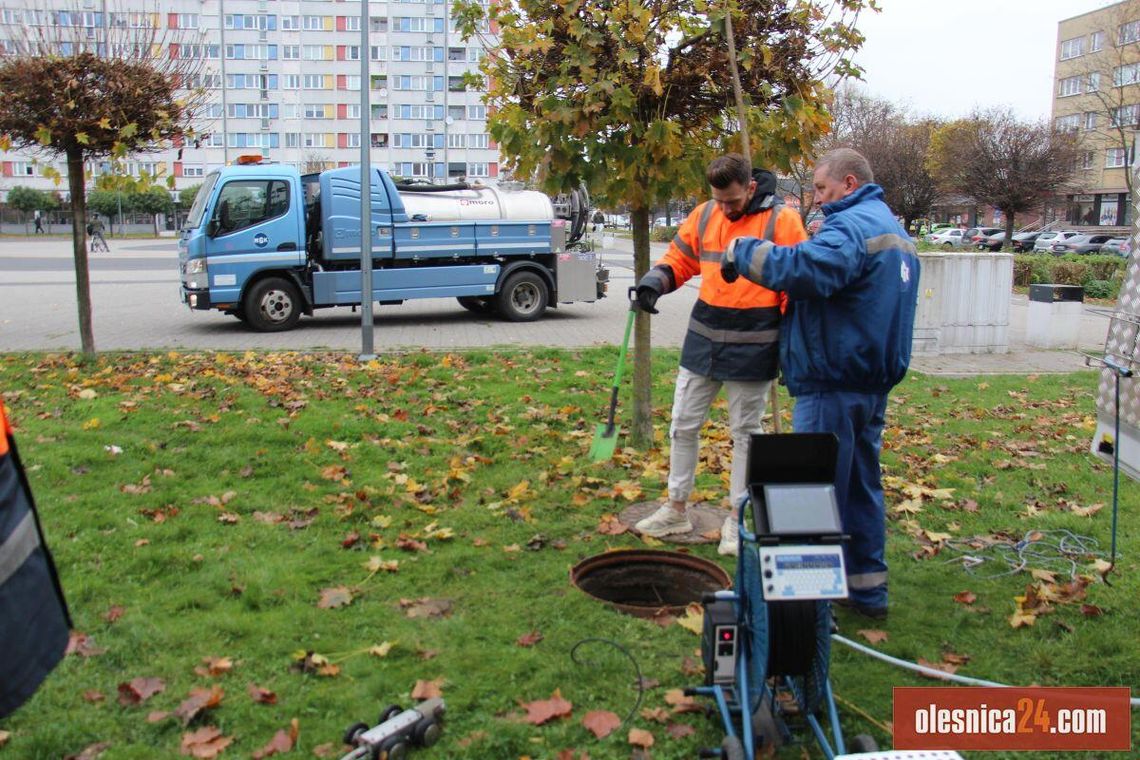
843,161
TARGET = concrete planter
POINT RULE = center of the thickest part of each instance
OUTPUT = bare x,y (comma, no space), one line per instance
963,303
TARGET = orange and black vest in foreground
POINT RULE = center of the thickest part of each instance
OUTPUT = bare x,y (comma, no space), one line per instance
34,622
734,329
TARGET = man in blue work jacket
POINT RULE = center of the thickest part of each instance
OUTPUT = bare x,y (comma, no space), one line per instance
845,342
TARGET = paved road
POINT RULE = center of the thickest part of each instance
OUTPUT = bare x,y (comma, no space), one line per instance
136,306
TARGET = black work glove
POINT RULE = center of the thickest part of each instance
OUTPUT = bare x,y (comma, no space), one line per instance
728,262
647,299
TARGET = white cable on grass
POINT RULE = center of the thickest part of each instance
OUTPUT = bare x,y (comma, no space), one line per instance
932,672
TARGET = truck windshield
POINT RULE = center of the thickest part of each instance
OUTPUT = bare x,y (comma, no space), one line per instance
194,218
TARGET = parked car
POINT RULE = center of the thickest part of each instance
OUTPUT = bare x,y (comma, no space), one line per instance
947,238
1117,247
618,221
992,242
974,235
1045,241
1023,241
1080,244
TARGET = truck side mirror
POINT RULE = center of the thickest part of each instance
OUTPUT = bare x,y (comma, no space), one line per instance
212,228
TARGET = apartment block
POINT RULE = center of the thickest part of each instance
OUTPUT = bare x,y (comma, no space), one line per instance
283,79
1097,95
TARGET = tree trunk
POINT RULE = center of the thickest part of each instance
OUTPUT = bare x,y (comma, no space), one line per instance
1008,231
642,375
79,248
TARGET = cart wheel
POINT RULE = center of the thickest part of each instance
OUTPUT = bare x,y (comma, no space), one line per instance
353,732
393,749
427,733
862,743
732,748
765,729
389,712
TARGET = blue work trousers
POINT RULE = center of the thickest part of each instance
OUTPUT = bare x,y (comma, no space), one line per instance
857,419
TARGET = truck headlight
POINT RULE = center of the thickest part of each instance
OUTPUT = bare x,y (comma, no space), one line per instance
196,266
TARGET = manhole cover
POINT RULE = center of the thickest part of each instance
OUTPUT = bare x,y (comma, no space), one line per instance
645,583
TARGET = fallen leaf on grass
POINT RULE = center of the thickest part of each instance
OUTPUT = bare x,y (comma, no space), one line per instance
337,596
601,723
545,710
282,741
81,644
656,714
965,597
1021,619
90,752
679,730
952,658
639,737
693,619
139,690
205,743
198,701
409,544
4,737
382,649
945,667
428,689
873,636
214,666
113,614
260,695
610,525
94,696
1091,610
529,639
1048,576
680,702
426,608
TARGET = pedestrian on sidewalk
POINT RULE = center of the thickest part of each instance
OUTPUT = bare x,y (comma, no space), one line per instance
733,332
852,292
95,232
39,223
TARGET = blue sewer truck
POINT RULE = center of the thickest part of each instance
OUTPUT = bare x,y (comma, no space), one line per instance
266,244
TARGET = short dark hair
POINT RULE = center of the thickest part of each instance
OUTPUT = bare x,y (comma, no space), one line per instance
729,168
843,161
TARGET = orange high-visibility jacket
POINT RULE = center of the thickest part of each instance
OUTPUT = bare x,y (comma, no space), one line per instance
734,328
33,615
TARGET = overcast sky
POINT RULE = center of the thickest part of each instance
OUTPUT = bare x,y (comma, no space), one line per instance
945,58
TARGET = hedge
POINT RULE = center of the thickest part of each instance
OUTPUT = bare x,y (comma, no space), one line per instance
1100,276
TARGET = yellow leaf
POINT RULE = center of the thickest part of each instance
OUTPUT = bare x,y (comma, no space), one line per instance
1021,619
693,619
91,424
382,649
82,138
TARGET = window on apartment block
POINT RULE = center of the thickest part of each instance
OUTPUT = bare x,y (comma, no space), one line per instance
1126,116
1129,33
1096,42
1126,74
1086,159
1115,158
1093,84
1069,86
1090,119
1072,48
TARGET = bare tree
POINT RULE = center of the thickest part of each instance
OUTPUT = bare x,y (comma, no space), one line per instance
997,159
895,144
84,99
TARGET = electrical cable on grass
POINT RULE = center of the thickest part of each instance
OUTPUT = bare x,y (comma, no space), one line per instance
931,672
1059,551
629,656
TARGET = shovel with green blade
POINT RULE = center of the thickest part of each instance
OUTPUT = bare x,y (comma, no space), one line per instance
605,435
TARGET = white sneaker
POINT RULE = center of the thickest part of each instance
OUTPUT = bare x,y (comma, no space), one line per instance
729,538
666,521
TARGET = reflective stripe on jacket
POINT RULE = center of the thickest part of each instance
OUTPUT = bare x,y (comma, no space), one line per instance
33,615
734,328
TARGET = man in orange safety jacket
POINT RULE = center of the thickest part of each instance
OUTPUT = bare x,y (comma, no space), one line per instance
34,623
733,335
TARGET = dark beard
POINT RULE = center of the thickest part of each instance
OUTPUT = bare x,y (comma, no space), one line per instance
735,215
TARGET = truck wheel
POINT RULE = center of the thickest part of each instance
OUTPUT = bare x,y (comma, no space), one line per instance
523,297
477,304
272,305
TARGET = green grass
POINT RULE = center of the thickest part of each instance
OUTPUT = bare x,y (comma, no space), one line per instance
374,455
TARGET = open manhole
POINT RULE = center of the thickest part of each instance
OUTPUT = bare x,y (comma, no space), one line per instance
645,583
